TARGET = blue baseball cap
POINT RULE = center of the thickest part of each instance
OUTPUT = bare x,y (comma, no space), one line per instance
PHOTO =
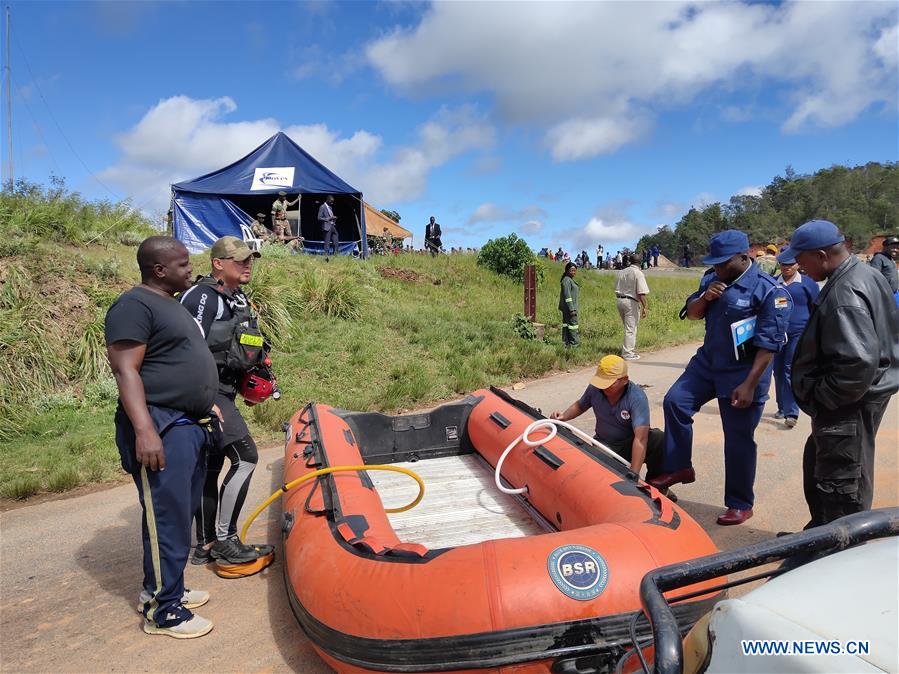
813,235
724,245
785,258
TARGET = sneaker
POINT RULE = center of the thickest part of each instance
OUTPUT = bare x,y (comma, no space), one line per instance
778,415
201,555
633,356
190,599
232,551
790,422
195,627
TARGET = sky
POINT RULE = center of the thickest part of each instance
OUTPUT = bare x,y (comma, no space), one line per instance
570,124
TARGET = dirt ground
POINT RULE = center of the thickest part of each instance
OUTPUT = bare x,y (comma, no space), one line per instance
72,569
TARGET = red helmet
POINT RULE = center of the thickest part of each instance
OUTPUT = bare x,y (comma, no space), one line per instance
255,388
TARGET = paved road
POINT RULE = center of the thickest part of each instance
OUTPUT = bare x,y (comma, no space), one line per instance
71,568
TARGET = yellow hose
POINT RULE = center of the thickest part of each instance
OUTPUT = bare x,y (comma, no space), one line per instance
336,469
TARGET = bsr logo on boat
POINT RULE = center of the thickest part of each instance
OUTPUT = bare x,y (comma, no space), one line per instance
578,571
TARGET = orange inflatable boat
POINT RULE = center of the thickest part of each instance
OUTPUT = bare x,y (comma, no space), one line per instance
472,579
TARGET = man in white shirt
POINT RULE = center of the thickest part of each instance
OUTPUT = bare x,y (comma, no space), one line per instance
631,291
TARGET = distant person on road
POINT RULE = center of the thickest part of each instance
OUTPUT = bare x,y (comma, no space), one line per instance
622,416
845,371
631,290
803,291
688,255
655,255
599,255
884,260
328,222
568,305
433,243
746,315
222,310
164,424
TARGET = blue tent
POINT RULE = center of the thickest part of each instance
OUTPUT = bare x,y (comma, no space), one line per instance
216,204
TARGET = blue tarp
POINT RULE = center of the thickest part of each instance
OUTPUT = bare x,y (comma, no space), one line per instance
212,205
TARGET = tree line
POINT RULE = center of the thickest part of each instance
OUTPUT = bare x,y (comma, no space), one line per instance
863,201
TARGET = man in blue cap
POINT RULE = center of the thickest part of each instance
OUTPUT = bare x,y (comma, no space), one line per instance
746,315
845,370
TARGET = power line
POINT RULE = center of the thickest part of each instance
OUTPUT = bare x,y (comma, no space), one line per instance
37,127
37,86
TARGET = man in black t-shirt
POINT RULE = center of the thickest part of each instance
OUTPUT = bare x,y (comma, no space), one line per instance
165,422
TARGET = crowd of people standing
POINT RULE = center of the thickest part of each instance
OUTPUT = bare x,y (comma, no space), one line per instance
833,351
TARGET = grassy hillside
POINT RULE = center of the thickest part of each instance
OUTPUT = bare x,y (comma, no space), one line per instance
386,334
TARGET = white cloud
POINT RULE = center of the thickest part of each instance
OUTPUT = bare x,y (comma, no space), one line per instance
584,138
181,138
588,74
532,227
490,212
749,191
611,226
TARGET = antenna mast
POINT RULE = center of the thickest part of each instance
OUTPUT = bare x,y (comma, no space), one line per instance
9,100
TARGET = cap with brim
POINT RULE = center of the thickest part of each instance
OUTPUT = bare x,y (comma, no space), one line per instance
813,235
282,194
609,370
724,245
260,215
772,249
785,260
232,248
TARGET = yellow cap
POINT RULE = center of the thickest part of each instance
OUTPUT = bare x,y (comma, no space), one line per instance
609,370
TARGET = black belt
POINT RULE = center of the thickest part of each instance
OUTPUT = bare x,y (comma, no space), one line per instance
626,297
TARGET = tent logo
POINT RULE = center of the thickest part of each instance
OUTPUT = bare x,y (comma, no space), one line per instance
276,176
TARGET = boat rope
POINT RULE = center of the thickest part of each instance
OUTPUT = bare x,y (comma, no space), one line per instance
336,469
552,428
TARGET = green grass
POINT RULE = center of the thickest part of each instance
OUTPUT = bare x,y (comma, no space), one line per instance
387,334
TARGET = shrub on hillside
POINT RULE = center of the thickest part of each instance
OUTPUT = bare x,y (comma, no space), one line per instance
508,256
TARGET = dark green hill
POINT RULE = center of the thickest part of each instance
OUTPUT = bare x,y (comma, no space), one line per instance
863,201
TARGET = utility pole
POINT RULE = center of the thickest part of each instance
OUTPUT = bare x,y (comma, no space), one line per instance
9,101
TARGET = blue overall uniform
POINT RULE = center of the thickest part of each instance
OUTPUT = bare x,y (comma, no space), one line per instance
715,371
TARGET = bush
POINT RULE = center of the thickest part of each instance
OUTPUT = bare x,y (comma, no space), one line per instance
508,256
523,327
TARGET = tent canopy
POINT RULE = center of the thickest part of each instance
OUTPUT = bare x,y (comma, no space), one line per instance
216,204
376,222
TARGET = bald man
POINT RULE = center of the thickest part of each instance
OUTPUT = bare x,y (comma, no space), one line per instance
167,380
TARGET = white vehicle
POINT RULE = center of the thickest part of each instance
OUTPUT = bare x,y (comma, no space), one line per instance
837,613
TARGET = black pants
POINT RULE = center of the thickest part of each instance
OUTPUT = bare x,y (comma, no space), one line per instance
217,516
838,461
655,450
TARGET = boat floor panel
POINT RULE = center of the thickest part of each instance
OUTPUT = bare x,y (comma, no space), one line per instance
461,506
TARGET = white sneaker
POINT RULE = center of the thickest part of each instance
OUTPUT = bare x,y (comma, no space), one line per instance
790,422
191,599
633,356
197,626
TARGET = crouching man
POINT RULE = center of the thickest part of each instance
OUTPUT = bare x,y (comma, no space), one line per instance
622,416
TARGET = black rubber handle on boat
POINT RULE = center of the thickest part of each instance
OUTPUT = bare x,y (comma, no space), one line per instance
548,457
500,420
800,547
